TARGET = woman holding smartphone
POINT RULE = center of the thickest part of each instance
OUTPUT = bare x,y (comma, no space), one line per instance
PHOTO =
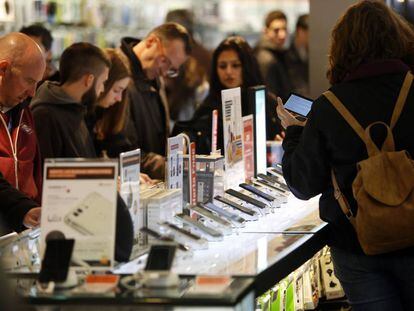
371,52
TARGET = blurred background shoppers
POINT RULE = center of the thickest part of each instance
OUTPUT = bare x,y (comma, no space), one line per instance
188,90
44,38
271,46
291,73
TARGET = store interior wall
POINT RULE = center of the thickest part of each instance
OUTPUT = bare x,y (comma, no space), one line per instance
323,15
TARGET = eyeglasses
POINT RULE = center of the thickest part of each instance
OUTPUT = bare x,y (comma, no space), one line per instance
171,71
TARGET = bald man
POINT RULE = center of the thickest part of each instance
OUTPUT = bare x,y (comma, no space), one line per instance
22,65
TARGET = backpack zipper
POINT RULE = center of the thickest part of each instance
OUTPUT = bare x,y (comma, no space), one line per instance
14,148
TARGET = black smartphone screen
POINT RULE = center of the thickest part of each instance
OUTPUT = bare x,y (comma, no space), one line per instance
160,257
257,192
56,261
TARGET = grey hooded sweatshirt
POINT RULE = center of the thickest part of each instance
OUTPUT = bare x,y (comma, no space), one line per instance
60,124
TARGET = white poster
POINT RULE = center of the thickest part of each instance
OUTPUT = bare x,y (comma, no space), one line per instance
233,136
79,202
130,163
175,162
7,12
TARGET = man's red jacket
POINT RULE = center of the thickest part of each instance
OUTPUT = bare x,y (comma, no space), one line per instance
20,161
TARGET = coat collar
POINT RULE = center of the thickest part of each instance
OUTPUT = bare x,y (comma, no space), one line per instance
377,68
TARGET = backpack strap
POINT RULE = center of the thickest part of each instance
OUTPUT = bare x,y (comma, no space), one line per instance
342,201
399,105
349,118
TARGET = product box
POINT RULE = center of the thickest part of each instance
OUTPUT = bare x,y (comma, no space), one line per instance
209,177
331,285
163,206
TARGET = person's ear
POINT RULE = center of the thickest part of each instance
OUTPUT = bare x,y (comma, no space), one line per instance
151,43
4,66
88,80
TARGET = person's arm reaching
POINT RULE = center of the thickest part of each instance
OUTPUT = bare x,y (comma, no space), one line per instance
18,212
305,161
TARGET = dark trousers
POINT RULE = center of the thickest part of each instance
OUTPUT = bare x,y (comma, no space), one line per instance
376,283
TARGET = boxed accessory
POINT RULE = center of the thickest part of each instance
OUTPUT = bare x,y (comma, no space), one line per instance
209,177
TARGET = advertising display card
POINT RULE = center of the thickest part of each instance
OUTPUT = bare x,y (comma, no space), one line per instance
214,130
79,202
248,147
175,162
233,136
193,179
130,167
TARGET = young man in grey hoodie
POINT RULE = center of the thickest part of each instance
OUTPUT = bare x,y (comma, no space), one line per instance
59,111
59,108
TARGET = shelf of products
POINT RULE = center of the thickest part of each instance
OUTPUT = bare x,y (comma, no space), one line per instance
104,22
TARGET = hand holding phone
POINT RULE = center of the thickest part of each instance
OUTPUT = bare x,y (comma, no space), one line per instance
286,118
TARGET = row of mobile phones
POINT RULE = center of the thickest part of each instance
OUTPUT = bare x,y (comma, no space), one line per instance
214,221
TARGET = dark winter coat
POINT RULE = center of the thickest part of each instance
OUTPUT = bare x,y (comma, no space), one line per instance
328,141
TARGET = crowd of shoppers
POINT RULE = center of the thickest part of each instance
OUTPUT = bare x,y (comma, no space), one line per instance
103,102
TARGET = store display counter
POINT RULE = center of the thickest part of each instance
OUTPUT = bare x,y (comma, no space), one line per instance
239,295
255,257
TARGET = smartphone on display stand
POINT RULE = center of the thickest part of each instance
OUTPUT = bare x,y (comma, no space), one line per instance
245,210
247,198
235,219
279,193
257,192
209,233
160,257
163,238
56,260
215,220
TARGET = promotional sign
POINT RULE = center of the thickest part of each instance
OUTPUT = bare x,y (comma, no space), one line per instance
233,136
214,129
248,146
175,162
130,163
193,179
79,202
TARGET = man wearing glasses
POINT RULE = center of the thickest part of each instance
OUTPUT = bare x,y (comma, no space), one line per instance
159,55
271,45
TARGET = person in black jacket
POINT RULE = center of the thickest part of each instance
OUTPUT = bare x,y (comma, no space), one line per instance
160,54
233,65
372,49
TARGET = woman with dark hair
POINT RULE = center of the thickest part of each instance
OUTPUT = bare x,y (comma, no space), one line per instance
371,54
107,118
233,65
